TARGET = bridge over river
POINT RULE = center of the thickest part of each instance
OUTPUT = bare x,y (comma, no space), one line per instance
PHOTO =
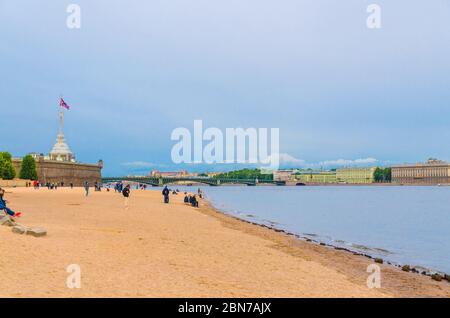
160,181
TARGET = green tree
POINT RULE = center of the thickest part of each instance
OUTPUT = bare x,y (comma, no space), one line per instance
382,174
250,174
378,175
7,170
388,174
28,168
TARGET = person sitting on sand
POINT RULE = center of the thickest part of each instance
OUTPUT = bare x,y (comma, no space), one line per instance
5,208
186,199
194,201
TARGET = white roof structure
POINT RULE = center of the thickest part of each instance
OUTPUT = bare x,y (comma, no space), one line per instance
60,150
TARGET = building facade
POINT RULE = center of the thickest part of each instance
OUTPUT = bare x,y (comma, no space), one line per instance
342,175
57,171
315,177
168,174
431,172
283,175
355,175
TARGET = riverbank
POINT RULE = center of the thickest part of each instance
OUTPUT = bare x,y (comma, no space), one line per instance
158,250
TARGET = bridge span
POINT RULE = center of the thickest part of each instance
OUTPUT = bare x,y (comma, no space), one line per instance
161,181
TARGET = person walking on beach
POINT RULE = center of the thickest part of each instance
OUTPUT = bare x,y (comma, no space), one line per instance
86,187
126,195
165,193
5,208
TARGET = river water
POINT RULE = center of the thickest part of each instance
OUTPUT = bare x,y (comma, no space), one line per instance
404,224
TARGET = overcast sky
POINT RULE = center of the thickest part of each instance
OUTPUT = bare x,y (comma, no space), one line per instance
339,92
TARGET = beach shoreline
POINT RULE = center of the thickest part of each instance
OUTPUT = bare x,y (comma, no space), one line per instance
318,247
419,270
157,250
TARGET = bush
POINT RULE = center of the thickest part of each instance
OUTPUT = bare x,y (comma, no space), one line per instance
28,168
7,171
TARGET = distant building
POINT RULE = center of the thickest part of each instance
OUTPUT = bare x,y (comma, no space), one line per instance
283,175
355,175
341,175
431,172
310,176
169,174
60,165
53,171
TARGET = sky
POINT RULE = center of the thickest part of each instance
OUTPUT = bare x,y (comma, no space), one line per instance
340,93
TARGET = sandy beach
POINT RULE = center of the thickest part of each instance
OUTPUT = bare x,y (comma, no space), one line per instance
157,250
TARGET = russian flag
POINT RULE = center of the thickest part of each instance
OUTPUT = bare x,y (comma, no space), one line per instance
62,103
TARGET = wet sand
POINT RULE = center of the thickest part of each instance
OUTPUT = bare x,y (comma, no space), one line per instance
158,250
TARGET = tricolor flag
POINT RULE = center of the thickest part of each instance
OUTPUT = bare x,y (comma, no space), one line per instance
62,103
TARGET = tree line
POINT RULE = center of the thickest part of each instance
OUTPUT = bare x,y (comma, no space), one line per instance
246,174
28,169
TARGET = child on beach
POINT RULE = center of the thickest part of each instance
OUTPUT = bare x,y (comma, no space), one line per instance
5,208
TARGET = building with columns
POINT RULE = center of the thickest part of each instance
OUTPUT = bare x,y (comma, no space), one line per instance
431,172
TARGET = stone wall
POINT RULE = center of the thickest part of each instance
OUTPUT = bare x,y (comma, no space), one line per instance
13,183
67,172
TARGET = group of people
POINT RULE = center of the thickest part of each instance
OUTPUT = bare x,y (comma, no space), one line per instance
191,199
118,187
49,185
121,188
3,206
126,190
188,198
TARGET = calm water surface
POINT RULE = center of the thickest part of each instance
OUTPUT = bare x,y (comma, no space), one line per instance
406,225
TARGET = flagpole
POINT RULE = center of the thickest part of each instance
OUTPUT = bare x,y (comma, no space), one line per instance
60,115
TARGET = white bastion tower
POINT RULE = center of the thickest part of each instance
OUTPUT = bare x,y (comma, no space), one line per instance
61,151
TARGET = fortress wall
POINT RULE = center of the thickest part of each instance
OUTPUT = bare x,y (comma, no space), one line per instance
13,183
67,172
